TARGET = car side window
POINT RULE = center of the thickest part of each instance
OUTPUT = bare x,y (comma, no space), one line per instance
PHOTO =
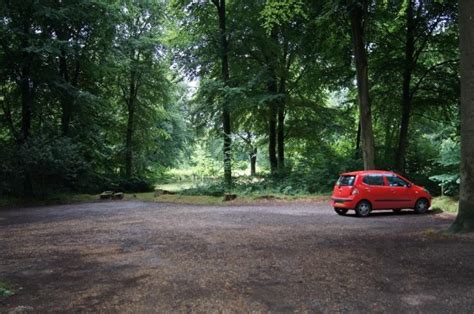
373,180
396,181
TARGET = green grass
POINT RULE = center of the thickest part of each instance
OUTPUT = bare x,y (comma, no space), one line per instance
5,290
445,203
177,186
242,198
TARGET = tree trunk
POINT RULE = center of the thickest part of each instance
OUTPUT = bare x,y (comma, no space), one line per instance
465,219
281,128
272,124
66,99
26,103
26,110
128,145
357,144
253,162
27,98
367,136
400,154
130,126
226,119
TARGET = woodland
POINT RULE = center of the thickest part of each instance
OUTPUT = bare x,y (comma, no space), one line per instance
239,96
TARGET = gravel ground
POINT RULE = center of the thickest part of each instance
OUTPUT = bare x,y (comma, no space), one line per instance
279,257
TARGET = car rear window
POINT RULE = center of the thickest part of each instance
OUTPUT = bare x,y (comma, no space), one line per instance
373,180
346,181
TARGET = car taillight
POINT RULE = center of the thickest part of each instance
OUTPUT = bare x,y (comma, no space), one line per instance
355,191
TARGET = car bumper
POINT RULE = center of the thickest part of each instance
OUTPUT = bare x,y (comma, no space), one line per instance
343,202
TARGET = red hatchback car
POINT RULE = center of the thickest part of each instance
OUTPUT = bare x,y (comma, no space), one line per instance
364,191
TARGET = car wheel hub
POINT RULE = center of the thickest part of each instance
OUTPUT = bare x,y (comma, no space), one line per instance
364,209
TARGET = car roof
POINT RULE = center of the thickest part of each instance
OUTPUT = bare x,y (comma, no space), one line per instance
362,172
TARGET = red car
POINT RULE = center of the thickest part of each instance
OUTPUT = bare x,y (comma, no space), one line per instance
364,191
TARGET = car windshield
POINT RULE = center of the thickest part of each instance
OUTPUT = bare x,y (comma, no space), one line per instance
346,181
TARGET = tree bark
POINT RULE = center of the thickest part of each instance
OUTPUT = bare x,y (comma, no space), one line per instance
281,127
358,13
130,126
66,99
253,163
357,143
465,220
226,119
26,103
27,98
272,124
400,154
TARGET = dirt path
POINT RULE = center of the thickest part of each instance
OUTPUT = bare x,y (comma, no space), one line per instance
145,257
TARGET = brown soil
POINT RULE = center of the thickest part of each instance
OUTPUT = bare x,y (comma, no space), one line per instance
281,257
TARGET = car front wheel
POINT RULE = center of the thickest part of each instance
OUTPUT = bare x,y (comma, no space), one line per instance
340,211
421,206
363,209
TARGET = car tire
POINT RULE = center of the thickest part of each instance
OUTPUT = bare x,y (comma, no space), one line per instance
340,211
397,210
363,209
422,206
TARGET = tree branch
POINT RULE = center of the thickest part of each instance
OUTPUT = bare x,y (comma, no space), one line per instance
425,74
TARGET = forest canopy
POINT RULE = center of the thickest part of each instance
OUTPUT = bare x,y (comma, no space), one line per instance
98,95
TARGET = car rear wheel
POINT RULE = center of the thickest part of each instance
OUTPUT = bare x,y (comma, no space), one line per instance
421,206
340,211
363,209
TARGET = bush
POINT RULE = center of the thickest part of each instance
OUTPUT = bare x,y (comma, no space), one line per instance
449,159
53,166
208,189
134,185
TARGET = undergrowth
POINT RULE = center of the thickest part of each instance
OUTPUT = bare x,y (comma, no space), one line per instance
445,203
5,290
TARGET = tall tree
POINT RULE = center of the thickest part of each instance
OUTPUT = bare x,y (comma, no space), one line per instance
224,56
358,15
406,97
140,77
465,219
422,22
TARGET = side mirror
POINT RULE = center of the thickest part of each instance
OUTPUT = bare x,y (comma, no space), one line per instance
408,185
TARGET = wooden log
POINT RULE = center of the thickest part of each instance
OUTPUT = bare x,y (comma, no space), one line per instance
106,195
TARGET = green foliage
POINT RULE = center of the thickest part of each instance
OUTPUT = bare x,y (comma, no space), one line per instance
134,185
445,203
65,69
90,86
5,290
449,159
279,12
